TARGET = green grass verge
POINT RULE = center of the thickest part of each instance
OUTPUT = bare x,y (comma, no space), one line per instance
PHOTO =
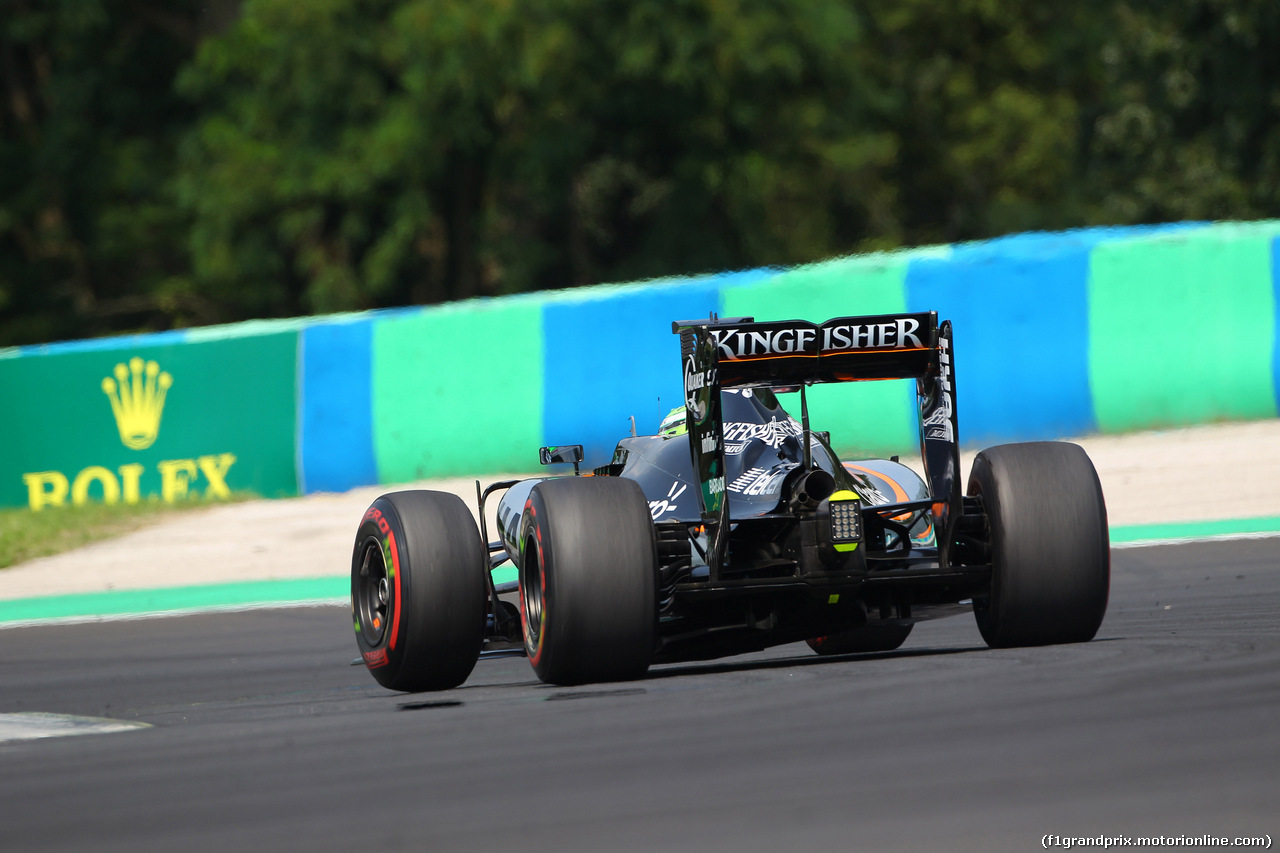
26,535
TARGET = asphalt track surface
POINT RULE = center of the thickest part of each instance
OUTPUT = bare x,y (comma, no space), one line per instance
263,737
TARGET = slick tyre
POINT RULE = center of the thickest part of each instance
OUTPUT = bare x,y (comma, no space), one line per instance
588,580
1050,550
418,594
868,638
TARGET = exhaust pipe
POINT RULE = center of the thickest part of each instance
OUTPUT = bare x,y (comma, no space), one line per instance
810,489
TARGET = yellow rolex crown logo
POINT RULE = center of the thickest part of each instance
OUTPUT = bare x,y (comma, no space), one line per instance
137,401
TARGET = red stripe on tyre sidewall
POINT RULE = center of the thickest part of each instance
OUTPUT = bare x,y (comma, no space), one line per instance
395,609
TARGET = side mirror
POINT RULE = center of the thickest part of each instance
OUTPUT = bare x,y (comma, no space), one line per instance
567,453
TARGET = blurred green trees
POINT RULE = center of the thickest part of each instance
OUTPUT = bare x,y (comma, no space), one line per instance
356,152
89,126
189,162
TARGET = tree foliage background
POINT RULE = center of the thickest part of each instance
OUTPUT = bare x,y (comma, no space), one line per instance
165,164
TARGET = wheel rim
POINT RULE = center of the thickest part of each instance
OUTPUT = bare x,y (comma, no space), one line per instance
531,599
982,601
373,593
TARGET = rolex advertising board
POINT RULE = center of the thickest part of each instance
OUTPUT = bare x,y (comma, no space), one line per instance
168,418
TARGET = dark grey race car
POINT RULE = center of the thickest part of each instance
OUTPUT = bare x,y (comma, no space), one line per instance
738,528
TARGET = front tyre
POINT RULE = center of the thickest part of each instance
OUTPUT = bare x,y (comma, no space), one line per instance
1050,550
588,580
418,594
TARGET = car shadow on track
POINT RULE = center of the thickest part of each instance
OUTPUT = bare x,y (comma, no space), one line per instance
659,672
677,670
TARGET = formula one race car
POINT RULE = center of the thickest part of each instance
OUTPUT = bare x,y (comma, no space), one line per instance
738,528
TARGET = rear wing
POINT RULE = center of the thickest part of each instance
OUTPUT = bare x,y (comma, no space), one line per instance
794,352
740,353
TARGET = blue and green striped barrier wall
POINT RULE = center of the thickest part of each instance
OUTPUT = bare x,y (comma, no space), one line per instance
1056,335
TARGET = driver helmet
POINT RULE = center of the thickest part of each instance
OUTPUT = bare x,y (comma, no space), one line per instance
674,423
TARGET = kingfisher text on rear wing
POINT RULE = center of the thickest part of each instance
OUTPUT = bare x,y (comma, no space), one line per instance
893,346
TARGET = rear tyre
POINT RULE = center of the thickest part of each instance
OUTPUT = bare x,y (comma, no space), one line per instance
869,638
418,594
588,580
1050,550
